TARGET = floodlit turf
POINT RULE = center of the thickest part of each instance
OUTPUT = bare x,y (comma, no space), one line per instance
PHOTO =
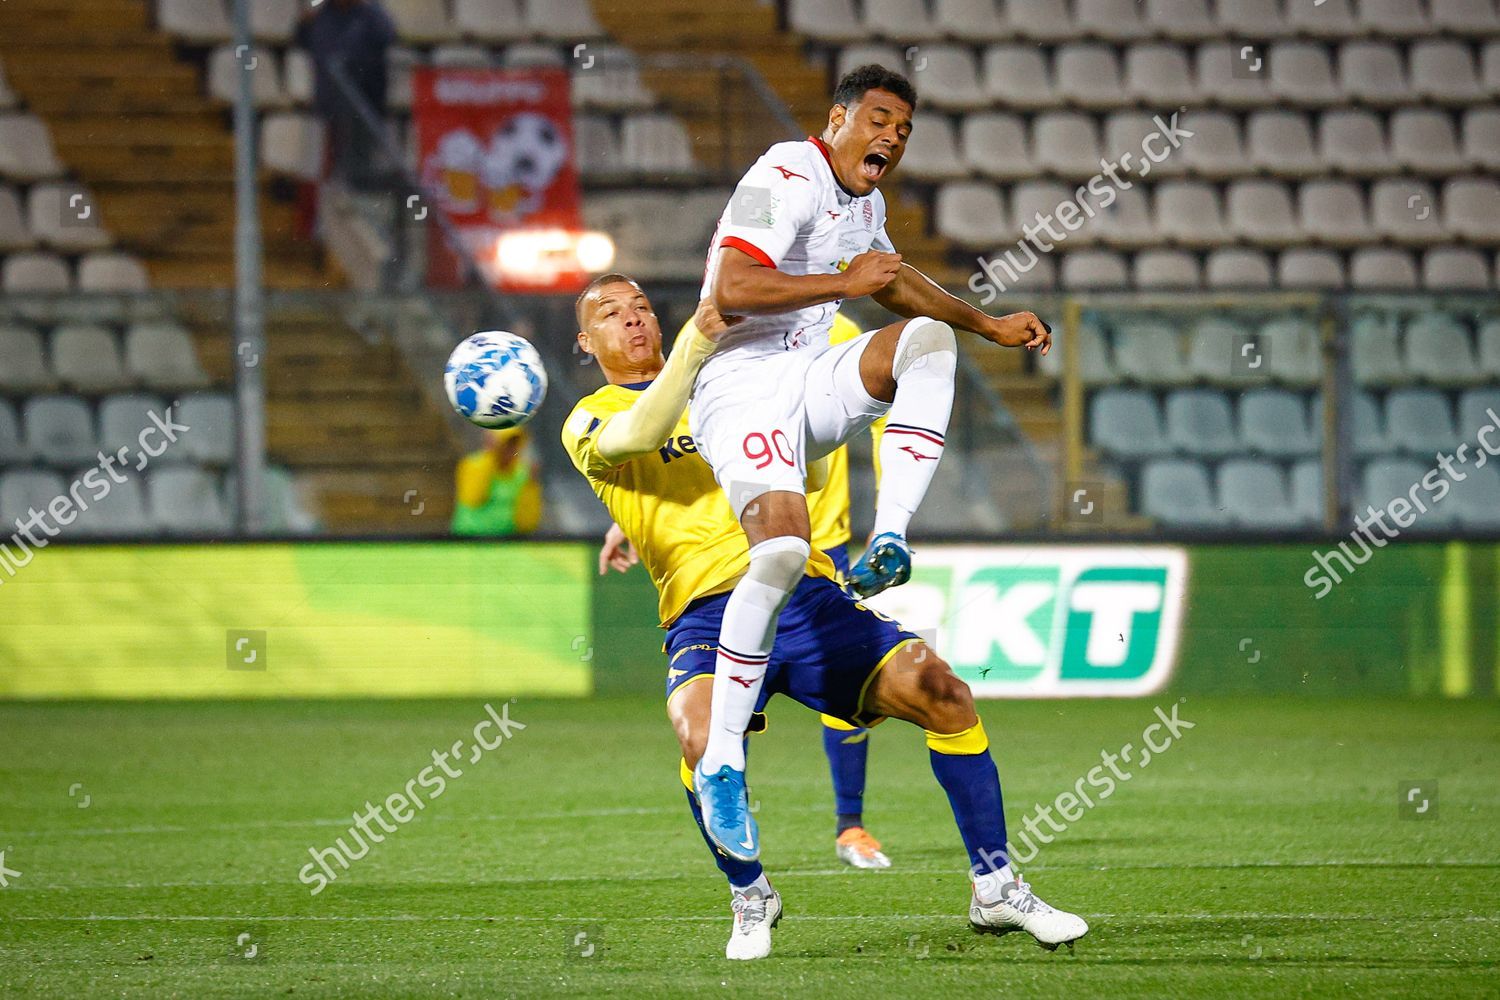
1262,855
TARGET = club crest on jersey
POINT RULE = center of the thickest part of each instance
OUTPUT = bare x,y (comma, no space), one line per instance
842,264
787,175
869,214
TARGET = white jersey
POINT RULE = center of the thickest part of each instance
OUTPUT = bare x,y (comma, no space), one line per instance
790,212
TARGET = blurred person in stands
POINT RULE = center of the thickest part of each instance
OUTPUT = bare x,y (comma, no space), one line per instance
354,36
497,492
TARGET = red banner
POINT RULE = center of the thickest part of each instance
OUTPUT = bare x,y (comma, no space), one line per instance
496,147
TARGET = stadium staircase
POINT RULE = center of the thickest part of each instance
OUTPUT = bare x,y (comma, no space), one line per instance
129,115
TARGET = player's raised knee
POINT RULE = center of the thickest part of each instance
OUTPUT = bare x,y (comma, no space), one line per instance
924,342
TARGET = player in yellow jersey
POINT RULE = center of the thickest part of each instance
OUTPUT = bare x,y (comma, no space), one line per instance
630,441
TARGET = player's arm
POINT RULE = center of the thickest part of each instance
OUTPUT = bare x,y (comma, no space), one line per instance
912,293
745,284
641,429
617,553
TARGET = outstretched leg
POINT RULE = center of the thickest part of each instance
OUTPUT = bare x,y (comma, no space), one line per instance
847,748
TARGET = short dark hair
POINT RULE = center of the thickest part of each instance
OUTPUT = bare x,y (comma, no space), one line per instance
873,77
598,283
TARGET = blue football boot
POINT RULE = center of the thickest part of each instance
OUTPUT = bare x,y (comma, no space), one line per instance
885,564
726,812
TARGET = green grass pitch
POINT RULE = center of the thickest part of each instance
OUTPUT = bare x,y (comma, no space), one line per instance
1262,855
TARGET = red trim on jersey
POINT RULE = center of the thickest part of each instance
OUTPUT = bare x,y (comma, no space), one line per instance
827,156
761,257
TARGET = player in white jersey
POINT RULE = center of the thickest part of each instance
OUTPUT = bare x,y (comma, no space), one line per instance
804,230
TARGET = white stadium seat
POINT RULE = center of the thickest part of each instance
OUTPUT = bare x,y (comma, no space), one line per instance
1394,18
1281,142
1471,208
1301,73
995,145
1094,269
656,144
60,429
87,358
1066,143
969,20
947,77
293,143
1088,76
1330,19
935,155
1188,212
1017,77
826,20
1306,267
1040,20
1353,142
1238,269
903,21
1113,20
1166,269
35,271
1424,140
274,20
490,20
65,217
421,21
1261,212
14,234
26,151
570,21
1159,75
971,214
1455,269
1465,17
112,271
1444,71
201,22
1382,269
1372,73
161,355
23,360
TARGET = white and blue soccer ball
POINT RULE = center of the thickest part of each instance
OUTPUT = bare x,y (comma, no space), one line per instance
495,379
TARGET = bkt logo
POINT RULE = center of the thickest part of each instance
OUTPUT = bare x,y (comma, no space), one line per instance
1024,622
677,447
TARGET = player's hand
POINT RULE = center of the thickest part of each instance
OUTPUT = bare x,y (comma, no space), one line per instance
617,554
709,322
869,272
1022,329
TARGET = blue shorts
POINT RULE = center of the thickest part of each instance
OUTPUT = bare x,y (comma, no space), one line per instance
840,556
828,649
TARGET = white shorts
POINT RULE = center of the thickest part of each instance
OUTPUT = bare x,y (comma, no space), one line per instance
759,419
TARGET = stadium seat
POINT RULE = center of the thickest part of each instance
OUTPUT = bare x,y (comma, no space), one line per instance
64,217
902,21
1444,71
198,22
1178,492
852,56
274,20
1455,269
1439,350
1474,408
1465,17
1211,348
1088,76
1274,422
399,62
570,21
612,81
282,512
1159,75
1394,18
1150,352
1254,494
490,20
1375,350
12,448
596,145
1127,221
1333,212
87,358
1310,268
1166,269
1216,149
935,156
292,143
1387,479
1489,347
1031,199
1181,20
1471,208
1306,488
1094,269
1294,354
1126,131
184,500
1406,210
1251,18
1475,500
14,235
23,363
1237,268
1328,19
656,144
462,56
299,78
1353,142
25,490
995,145
1489,67
119,513
1281,142
111,271
1037,277
225,68
35,271
1187,212
125,417
59,430
1040,20
1125,422
969,21
1201,422
1221,80
1111,20
533,55
1094,365
825,20
971,214
1017,78
26,151
1424,140
161,355
211,417
1065,143
1301,74
1371,73
947,77
421,21
1419,421
1261,212
1365,421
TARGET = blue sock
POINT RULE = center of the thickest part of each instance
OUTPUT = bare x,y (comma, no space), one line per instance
739,873
847,750
973,787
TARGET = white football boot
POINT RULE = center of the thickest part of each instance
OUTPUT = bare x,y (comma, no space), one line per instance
754,916
1020,909
856,848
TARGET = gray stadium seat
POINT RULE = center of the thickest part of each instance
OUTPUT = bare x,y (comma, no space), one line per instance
1125,131
596,144
1371,73
1201,422
1353,142
1126,422
1178,492
273,20
947,77
1489,67
1471,209
1394,18
1030,198
1281,142
862,54
1094,269
12,447
14,234
125,417
1293,352
160,354
1159,75
1375,350
612,80
1310,268
1094,365
827,20
655,144
112,272
1187,212
59,429
1489,347
1088,76
1333,212
935,157
400,62
1382,269
184,500
26,151
464,57
35,271
1274,422
1261,212
1211,348
1065,143
1474,408
292,143
1306,487
1365,420
210,415
1017,77
24,490
1114,20
120,512
197,21
1465,17
1150,352
971,214
225,67
1475,500
1254,494
1439,351
421,21
1481,131
87,358
1127,222
568,21
1424,141
1221,79
900,20
533,55
23,363
1406,210
1301,73
969,20
1040,20
1252,18
1166,269
1444,71
1215,150
1455,269
1386,479
1419,421
1181,20
995,145
1331,19
1236,268
490,20
282,511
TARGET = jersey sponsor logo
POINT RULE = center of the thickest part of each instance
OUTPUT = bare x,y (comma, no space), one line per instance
679,447
707,646
787,175
1023,622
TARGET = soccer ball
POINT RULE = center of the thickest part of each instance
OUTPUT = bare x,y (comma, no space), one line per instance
495,379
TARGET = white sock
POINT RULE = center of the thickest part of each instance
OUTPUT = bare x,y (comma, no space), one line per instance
762,883
745,638
987,886
912,445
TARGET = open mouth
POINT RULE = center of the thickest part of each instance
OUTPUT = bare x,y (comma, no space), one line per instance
874,165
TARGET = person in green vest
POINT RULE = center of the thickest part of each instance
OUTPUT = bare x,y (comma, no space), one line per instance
497,493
